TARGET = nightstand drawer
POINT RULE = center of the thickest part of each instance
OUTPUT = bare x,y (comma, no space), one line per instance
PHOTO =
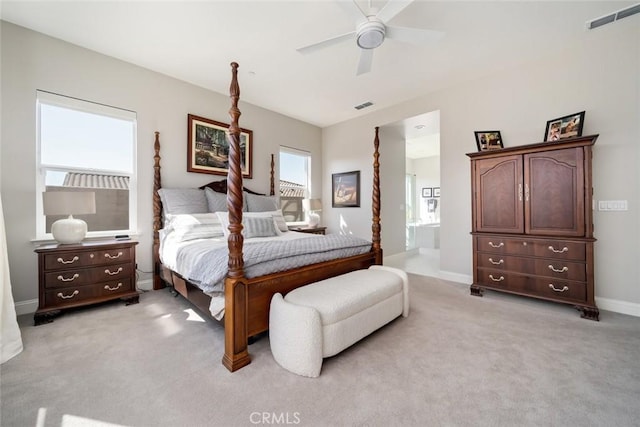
71,296
62,279
77,259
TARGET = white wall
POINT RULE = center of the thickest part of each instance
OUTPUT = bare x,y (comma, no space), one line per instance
601,75
32,61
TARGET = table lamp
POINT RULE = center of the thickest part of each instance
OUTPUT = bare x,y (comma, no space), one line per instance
69,230
312,206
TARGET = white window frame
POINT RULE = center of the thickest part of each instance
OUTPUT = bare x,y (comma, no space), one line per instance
308,191
49,98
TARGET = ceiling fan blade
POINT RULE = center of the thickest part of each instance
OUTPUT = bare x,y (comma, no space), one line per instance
366,58
415,36
352,9
325,43
392,8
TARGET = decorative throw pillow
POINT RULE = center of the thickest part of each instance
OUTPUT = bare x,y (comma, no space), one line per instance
266,227
256,203
182,201
194,226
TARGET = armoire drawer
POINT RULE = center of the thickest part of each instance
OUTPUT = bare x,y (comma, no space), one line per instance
555,268
548,248
533,285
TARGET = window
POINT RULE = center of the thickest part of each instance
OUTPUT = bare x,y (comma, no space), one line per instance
84,146
295,182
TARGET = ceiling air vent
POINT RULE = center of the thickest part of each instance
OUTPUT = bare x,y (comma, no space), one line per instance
364,105
614,16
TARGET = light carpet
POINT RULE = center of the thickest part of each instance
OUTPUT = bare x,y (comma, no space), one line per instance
457,360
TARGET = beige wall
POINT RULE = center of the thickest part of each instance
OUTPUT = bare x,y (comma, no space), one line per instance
601,75
32,61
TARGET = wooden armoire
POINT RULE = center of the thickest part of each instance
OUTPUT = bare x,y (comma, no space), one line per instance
532,222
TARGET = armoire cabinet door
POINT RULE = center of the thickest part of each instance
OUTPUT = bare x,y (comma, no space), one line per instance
554,192
499,195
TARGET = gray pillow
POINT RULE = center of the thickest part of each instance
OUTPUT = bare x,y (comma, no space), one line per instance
258,227
257,203
217,202
177,201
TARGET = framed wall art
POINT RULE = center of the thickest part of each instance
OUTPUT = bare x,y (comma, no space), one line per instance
426,192
488,140
436,192
345,190
208,147
564,127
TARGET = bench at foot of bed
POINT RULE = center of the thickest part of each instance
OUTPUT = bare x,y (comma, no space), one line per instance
322,319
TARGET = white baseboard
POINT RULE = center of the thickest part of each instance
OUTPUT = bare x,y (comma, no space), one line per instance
145,285
617,306
455,277
26,307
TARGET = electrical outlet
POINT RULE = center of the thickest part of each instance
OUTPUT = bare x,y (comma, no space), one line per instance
612,205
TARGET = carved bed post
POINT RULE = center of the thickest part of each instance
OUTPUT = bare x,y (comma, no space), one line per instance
236,354
272,192
157,214
375,201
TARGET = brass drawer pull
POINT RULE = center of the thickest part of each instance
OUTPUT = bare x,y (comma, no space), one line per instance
62,279
552,249
496,246
61,261
496,262
113,256
566,288
562,270
499,279
60,295
113,289
113,273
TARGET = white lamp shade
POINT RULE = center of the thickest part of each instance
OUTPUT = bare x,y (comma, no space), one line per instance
311,205
69,230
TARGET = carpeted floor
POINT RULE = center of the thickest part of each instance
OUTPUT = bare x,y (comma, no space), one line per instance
457,360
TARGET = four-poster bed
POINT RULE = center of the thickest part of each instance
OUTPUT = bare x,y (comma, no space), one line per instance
247,300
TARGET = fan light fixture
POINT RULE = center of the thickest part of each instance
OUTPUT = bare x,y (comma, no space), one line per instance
370,35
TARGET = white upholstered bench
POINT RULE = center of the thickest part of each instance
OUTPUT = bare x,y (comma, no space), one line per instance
322,319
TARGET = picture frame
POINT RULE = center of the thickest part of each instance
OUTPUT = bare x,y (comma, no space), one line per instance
488,140
426,192
564,127
436,191
345,190
208,147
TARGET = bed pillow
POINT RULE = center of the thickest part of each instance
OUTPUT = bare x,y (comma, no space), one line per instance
256,203
177,201
217,202
194,226
255,224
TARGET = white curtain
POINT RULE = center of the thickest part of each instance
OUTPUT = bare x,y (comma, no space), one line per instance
10,338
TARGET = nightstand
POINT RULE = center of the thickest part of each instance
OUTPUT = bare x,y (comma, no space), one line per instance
310,230
84,273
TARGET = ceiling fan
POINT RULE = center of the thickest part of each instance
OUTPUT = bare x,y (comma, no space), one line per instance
371,31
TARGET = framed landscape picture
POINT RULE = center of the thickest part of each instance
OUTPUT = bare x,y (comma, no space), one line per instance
208,147
345,190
